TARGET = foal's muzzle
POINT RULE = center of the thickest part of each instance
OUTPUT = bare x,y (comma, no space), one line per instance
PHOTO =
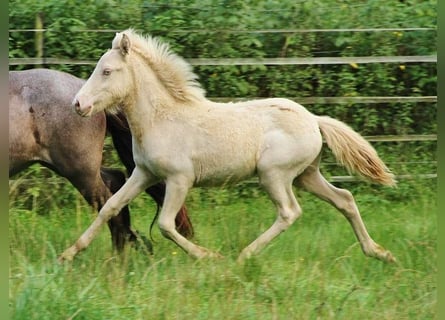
85,111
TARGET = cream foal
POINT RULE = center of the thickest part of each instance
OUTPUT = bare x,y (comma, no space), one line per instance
186,140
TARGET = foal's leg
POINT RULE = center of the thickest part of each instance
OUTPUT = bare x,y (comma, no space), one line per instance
120,225
97,186
175,194
137,183
279,188
342,199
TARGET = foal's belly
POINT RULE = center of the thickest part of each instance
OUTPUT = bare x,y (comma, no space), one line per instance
226,170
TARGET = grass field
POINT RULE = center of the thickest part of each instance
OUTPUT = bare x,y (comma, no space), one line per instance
315,270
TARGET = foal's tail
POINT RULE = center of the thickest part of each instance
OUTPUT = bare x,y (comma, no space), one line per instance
354,152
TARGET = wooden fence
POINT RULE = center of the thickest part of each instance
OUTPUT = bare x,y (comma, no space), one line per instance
293,61
251,61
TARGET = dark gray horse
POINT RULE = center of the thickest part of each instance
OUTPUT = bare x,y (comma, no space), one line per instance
44,128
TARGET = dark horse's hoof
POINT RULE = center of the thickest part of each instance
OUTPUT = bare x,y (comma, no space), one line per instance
141,242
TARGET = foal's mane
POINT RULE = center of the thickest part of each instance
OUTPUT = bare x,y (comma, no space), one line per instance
172,70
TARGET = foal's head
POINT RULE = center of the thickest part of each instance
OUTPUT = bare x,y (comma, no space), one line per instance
111,82
134,59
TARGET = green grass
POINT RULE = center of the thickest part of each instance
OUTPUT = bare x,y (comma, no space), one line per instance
314,270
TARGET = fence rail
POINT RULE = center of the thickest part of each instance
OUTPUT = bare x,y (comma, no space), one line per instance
251,61
399,177
261,31
341,100
410,137
13,183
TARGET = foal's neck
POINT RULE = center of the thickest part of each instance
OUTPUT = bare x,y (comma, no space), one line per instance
153,100
150,101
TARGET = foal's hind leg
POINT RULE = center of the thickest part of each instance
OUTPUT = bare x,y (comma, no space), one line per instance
279,188
342,199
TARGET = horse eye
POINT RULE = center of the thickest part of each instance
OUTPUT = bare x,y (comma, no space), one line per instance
106,72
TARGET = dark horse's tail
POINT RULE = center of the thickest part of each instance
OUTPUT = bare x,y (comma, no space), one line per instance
120,133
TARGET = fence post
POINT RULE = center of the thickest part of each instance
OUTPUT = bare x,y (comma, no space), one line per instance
38,38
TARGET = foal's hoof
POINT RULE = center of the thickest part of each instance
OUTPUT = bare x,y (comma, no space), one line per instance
205,254
67,255
388,257
63,258
383,255
211,255
216,255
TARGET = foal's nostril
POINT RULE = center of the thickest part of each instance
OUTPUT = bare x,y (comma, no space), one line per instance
83,110
76,105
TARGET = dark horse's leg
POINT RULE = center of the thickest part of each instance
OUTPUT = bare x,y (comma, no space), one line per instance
117,126
44,128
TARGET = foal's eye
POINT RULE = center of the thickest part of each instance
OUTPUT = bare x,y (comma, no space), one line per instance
106,72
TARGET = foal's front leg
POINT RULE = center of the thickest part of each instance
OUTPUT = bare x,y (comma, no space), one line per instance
175,194
137,183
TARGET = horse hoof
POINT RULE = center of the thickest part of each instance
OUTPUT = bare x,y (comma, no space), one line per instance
384,255
144,244
389,257
67,255
216,255
205,254
211,255
63,258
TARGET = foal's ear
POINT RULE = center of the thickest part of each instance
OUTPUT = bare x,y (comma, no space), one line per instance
125,44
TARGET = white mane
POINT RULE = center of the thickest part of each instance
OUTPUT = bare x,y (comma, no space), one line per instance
172,70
